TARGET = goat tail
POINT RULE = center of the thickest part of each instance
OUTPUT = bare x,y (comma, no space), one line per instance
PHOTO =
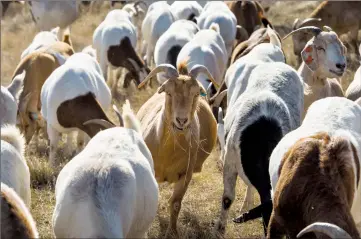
12,135
130,120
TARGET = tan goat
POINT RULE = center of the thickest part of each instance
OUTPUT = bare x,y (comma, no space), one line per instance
342,16
38,66
179,129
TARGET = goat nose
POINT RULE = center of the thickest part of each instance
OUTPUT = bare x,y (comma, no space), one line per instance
341,66
182,121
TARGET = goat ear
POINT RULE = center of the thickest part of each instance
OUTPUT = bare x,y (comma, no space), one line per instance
308,55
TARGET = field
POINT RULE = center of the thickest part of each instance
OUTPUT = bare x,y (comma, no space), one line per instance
202,202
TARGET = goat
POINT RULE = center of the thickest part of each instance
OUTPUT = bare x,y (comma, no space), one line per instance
16,220
116,184
179,130
207,48
188,10
330,13
315,174
324,58
9,100
115,40
74,93
171,42
354,89
38,67
157,20
264,107
42,39
218,13
49,14
14,169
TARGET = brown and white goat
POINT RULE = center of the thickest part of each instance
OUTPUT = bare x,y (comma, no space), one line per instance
315,174
179,129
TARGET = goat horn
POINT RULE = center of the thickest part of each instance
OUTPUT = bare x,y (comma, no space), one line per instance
327,28
329,229
314,30
170,70
121,121
104,123
295,24
308,20
134,64
197,69
218,99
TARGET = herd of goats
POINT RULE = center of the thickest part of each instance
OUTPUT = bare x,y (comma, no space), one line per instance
294,136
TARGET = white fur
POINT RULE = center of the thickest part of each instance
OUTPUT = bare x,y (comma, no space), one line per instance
353,91
216,12
336,116
116,26
178,34
14,169
50,14
184,9
109,189
206,48
42,39
158,19
79,75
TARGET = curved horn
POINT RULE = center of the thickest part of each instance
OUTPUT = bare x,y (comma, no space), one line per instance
308,20
329,229
121,121
197,69
167,68
104,123
314,30
327,28
134,64
218,99
295,24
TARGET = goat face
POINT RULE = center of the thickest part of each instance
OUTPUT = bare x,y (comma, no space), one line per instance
325,54
182,95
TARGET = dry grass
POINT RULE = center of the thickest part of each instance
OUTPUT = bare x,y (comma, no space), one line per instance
201,204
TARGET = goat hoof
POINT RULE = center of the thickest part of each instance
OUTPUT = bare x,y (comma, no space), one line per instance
239,219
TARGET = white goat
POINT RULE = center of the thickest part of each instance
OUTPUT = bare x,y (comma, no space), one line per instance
324,152
158,19
267,103
171,42
187,10
109,189
353,91
206,48
67,94
14,169
115,41
16,220
42,39
50,14
218,13
9,100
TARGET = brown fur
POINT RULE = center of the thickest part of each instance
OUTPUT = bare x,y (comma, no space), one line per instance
118,55
75,112
316,183
38,65
15,222
178,154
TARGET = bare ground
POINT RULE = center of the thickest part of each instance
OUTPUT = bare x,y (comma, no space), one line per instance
201,204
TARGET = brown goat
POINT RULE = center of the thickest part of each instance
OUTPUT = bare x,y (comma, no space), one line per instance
316,184
38,66
341,16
